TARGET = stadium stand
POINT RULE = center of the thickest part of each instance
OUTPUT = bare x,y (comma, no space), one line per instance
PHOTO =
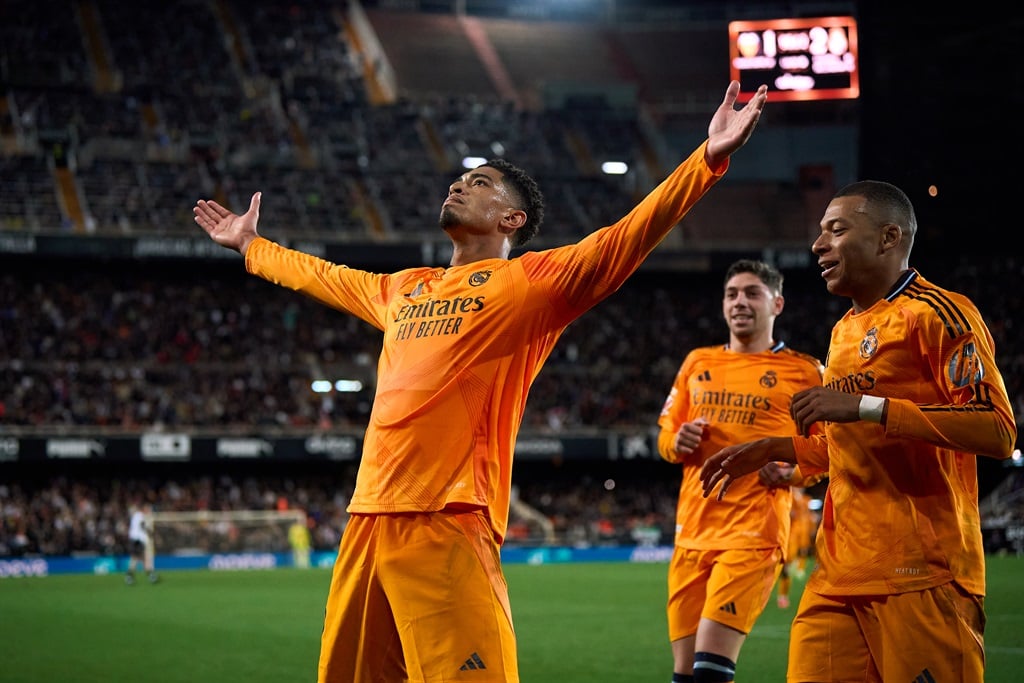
116,317
279,95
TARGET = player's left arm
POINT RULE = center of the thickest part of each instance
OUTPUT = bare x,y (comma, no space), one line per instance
978,416
577,276
588,271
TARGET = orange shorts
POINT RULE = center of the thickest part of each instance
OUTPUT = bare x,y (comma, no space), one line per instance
731,587
418,597
930,635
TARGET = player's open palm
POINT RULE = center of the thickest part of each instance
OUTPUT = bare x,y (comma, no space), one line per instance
730,128
226,228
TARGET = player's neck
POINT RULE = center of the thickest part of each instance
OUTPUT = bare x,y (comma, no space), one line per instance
472,247
753,345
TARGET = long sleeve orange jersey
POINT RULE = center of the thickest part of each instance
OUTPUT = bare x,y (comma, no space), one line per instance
463,344
901,511
743,396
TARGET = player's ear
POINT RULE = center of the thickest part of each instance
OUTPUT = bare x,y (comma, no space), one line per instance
513,219
778,304
892,236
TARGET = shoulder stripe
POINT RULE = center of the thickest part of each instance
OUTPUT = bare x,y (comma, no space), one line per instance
906,278
952,317
973,407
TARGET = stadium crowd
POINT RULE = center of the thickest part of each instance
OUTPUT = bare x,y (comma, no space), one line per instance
129,347
132,350
87,513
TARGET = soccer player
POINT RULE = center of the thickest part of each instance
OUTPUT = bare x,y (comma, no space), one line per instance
138,540
801,531
804,527
418,592
727,556
300,540
911,397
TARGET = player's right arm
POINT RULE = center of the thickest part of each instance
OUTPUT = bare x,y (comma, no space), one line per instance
679,436
360,293
739,460
674,445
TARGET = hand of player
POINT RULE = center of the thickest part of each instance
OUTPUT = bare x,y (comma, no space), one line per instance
820,404
740,459
776,474
730,128
226,228
689,436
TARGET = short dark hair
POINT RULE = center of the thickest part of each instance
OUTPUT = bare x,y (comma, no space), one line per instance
527,193
892,203
766,272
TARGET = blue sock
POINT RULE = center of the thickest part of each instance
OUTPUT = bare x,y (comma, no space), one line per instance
712,668
682,678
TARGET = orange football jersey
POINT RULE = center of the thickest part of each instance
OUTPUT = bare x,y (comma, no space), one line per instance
901,510
743,396
463,344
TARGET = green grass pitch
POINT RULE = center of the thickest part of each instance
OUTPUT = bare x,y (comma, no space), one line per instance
586,623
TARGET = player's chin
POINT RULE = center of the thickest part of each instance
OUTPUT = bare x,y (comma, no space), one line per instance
448,218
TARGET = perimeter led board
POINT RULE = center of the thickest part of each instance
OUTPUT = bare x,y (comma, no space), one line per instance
798,59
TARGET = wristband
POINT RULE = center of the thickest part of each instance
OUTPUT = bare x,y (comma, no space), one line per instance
871,408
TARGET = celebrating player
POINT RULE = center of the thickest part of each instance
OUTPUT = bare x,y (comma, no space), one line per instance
911,397
418,591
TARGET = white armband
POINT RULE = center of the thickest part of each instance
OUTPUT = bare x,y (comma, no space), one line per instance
871,408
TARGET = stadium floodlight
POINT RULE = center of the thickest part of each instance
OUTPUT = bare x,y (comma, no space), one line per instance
615,167
472,162
321,386
346,386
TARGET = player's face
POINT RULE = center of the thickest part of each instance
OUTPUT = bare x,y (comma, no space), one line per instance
849,249
749,306
477,201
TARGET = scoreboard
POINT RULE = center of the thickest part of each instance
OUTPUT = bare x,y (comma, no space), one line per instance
798,59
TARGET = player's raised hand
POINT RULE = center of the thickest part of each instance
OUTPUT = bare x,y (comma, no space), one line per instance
730,128
226,228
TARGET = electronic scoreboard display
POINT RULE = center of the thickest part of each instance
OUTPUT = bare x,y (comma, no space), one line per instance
798,59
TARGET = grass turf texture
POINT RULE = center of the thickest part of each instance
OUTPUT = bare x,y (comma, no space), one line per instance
576,622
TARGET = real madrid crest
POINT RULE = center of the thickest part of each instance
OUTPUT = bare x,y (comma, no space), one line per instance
479,277
869,344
